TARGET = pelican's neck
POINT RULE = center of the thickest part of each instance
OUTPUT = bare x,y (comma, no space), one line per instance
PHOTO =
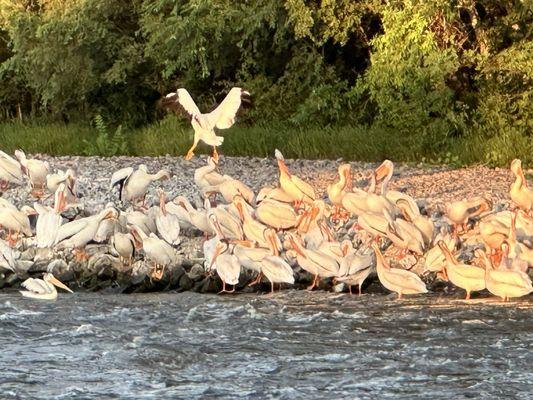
385,184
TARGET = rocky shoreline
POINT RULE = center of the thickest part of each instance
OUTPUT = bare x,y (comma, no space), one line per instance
431,186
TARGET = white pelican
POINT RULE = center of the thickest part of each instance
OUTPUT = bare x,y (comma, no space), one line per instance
298,190
222,117
468,277
315,262
156,250
230,188
208,176
228,266
168,225
270,193
520,194
43,289
384,172
354,269
10,171
140,220
423,224
459,212
16,222
505,283
124,245
36,170
223,220
337,190
50,220
68,178
277,270
197,217
133,184
406,237
395,279
76,234
277,215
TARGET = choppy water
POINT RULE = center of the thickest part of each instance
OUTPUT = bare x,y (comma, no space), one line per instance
289,345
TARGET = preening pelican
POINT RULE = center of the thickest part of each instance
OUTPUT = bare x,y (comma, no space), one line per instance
354,269
196,217
208,176
50,220
16,222
222,117
298,190
36,170
43,289
277,215
228,266
134,184
68,178
230,188
156,250
459,212
10,171
520,194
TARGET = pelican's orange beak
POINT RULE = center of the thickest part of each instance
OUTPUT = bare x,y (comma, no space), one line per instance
296,247
381,172
348,177
59,284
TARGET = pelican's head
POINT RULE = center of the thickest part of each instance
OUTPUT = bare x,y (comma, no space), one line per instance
384,170
345,170
516,166
110,213
221,247
28,210
278,155
143,167
137,236
49,278
481,255
59,198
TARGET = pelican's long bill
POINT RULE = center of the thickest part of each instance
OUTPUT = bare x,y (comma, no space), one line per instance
56,282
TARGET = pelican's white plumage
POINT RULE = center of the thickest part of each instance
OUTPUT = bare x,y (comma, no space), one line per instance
42,289
36,170
222,117
10,171
50,220
133,184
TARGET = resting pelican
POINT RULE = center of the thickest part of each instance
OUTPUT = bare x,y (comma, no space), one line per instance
278,215
505,283
459,212
50,220
156,250
76,234
36,170
395,279
134,184
140,220
10,171
168,225
520,194
67,178
355,201
16,222
43,289
230,188
354,269
208,176
467,277
298,190
385,172
270,193
222,117
124,245
222,220
228,266
405,236
251,257
423,224
196,217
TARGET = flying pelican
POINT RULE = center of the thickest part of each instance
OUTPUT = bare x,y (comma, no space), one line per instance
10,171
36,170
43,289
134,184
222,117
50,220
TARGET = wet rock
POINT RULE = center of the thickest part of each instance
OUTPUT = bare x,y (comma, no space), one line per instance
196,273
61,270
139,272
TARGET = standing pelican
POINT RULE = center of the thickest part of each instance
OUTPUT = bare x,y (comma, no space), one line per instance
68,178
228,266
10,171
520,194
336,191
134,184
277,270
50,220
168,225
354,269
157,250
229,188
395,279
222,117
124,245
459,212
16,222
208,176
43,289
36,170
295,187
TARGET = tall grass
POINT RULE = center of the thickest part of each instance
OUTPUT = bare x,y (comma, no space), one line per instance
172,136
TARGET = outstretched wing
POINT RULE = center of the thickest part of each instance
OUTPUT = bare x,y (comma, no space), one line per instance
223,116
180,102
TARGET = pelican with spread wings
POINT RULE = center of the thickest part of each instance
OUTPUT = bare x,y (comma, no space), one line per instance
222,117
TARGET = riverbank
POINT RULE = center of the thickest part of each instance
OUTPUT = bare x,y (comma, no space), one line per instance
431,186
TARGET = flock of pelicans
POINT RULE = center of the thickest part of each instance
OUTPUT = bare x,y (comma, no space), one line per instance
278,229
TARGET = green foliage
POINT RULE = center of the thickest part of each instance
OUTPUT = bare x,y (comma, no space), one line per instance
436,76
106,144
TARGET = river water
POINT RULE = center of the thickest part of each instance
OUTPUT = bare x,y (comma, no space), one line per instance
288,345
